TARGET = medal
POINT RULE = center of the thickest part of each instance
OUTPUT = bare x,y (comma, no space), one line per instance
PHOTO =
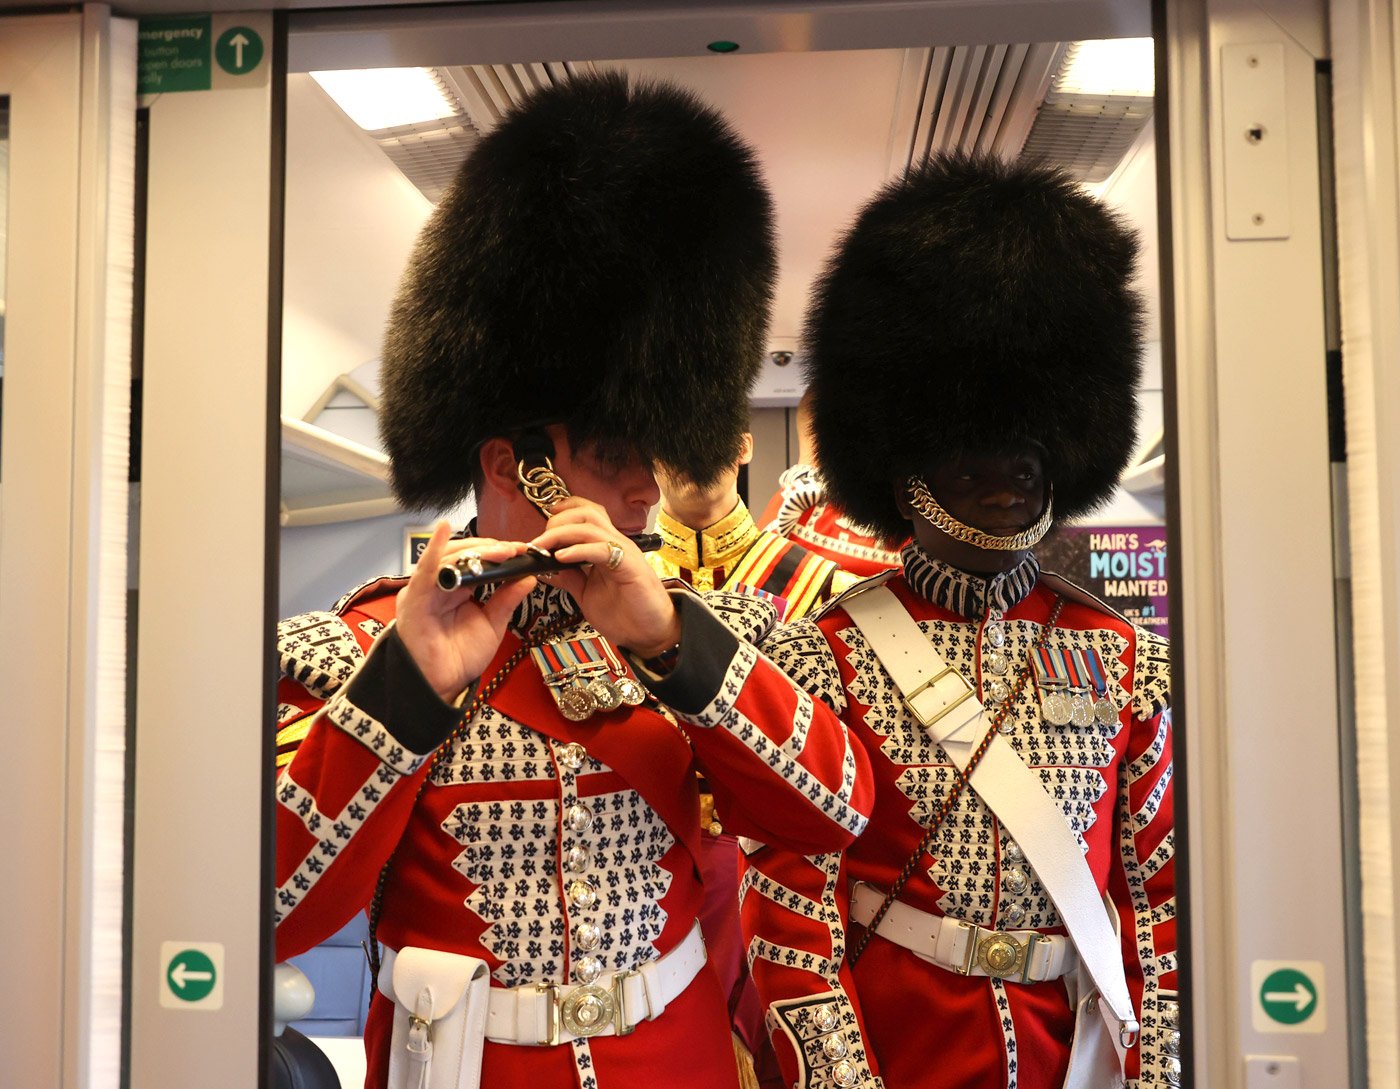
631,692
1081,710
575,703
1055,707
605,694
1052,681
1105,713
1081,706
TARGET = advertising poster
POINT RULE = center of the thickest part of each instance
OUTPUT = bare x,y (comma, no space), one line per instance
1125,566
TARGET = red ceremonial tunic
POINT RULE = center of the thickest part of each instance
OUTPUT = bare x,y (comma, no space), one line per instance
800,512
899,1020
551,849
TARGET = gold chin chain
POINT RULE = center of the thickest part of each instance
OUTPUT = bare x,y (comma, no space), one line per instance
542,485
922,500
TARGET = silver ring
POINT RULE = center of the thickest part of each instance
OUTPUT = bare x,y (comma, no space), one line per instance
615,555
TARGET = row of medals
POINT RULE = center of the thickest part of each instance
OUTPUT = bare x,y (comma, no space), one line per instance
585,689
1065,706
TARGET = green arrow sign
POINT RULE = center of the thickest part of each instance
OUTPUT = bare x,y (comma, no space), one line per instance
1288,996
191,975
238,50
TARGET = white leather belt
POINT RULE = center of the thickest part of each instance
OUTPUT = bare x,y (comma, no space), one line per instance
616,1003
1027,956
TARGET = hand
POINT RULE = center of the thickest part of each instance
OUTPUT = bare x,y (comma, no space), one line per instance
450,636
626,603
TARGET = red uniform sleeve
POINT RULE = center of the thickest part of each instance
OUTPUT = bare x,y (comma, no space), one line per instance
344,799
781,764
794,914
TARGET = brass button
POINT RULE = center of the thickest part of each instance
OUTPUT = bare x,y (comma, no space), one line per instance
844,1073
834,1046
572,756
576,860
824,1017
588,936
582,895
579,818
1016,881
588,969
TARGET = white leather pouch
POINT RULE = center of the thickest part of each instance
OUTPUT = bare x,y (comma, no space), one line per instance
1093,1060
440,1003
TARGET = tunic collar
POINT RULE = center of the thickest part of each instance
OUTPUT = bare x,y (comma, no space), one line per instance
964,593
717,545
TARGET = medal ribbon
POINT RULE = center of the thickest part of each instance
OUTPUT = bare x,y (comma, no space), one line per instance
1096,670
1049,669
1074,667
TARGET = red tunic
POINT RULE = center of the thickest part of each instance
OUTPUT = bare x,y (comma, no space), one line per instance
903,1021
485,860
801,513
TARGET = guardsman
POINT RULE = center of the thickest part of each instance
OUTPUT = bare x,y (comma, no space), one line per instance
1007,918
710,541
484,770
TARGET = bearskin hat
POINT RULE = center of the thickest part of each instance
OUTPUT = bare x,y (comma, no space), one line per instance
603,260
975,306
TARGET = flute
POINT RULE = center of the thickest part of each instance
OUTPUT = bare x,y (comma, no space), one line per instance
474,571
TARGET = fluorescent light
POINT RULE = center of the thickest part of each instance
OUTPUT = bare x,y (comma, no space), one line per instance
383,98
1120,67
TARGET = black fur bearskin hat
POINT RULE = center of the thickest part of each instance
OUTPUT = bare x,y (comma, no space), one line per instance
604,260
975,306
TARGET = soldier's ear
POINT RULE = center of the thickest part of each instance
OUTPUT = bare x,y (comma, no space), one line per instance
901,500
498,467
746,448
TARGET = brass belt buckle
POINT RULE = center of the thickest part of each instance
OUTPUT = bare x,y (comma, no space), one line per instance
587,1011
932,682
1002,955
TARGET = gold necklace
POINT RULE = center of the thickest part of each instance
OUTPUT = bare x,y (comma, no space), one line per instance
922,500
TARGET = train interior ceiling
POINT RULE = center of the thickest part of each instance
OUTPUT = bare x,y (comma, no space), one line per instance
829,129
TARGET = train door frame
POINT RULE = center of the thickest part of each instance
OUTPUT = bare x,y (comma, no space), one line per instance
70,80
1219,433
211,361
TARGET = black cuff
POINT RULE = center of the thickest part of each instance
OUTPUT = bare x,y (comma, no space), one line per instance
707,648
390,689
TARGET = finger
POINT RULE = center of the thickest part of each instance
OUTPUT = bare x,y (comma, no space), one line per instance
564,536
482,549
601,554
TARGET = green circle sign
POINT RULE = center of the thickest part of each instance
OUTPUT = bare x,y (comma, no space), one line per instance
190,975
1288,996
238,50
